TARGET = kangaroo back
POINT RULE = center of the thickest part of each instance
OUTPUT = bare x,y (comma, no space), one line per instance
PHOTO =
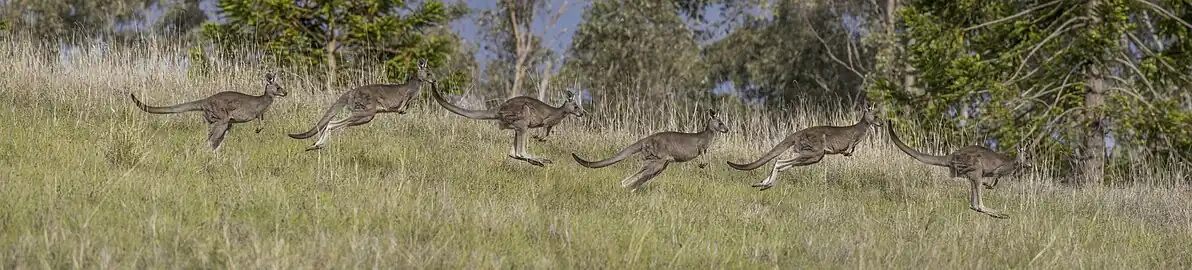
327,115
774,152
184,107
473,114
920,156
624,153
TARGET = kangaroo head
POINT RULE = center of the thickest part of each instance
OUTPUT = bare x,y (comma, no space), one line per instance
869,114
1020,161
572,105
714,122
424,71
271,87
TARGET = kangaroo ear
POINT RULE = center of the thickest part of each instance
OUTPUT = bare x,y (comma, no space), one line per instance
269,77
864,105
712,112
1021,156
569,94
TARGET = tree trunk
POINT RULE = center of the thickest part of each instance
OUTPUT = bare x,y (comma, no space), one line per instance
1093,144
899,51
522,49
332,66
546,72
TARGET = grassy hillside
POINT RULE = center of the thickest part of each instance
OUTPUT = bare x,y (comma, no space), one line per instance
89,181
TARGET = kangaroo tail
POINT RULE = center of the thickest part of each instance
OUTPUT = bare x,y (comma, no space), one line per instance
184,107
774,152
624,153
473,114
327,115
920,156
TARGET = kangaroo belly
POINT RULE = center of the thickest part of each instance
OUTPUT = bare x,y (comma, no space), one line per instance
242,116
836,147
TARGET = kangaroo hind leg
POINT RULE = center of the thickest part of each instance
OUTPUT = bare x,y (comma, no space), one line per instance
353,120
806,157
651,169
975,201
520,131
215,137
784,164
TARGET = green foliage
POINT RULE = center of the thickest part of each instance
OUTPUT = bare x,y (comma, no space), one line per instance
180,17
55,19
767,58
1020,80
640,49
1156,113
334,35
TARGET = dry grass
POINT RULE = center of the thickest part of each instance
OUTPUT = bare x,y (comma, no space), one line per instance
91,182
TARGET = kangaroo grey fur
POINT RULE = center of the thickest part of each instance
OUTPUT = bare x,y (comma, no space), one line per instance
811,144
661,149
974,163
521,114
223,109
364,103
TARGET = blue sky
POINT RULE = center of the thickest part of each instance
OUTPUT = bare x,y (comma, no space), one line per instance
564,28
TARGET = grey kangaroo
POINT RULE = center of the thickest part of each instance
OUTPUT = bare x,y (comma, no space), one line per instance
223,109
974,163
364,103
661,149
521,114
811,144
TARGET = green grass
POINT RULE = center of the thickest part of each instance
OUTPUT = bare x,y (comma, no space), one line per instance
91,182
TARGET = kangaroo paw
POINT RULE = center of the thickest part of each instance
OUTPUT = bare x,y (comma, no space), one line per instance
259,129
995,214
401,111
988,186
532,161
535,162
991,213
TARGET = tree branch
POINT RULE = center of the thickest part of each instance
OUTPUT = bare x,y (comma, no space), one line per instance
1011,17
833,55
1138,42
1063,28
1135,94
1140,75
1053,56
1165,13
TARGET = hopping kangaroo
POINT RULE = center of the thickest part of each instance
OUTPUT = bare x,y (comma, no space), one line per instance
661,149
521,114
811,144
365,102
973,163
223,109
